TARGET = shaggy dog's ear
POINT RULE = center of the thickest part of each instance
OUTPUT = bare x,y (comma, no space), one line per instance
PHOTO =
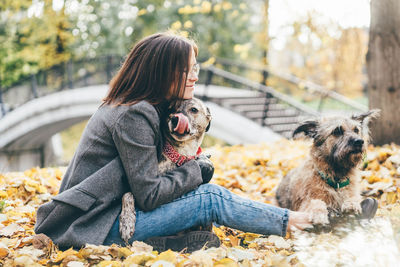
308,127
373,113
364,119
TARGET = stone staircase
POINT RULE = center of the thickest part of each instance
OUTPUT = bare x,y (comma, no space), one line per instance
266,106
266,111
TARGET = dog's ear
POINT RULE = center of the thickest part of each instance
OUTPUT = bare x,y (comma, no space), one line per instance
364,120
208,126
208,114
365,117
308,127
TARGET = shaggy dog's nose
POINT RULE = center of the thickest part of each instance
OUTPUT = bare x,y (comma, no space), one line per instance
358,142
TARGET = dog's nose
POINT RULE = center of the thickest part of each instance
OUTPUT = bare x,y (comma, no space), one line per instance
358,142
174,121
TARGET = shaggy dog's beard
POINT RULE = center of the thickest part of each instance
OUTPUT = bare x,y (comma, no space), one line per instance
343,160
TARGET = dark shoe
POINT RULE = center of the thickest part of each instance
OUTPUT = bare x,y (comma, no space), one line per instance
207,228
368,207
192,241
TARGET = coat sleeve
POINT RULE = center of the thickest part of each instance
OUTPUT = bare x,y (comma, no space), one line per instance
135,135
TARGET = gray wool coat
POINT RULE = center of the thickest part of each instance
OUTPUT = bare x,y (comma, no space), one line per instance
118,152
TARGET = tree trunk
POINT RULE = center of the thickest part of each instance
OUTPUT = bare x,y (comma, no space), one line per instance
383,64
265,41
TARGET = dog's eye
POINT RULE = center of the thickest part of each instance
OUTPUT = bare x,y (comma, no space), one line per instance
356,130
338,131
194,110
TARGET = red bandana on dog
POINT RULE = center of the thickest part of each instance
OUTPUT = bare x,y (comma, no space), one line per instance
174,155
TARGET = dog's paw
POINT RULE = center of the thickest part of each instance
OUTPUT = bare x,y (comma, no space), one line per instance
351,207
320,218
127,218
318,210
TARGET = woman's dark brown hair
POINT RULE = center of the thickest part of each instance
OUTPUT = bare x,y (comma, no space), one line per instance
155,70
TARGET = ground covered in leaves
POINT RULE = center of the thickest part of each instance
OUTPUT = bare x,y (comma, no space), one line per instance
252,171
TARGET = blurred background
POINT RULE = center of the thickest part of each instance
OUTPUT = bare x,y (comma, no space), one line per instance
321,41
308,55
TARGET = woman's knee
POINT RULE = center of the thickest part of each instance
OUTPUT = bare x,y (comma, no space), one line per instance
211,188
214,190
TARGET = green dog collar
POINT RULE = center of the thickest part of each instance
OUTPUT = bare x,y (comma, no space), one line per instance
332,183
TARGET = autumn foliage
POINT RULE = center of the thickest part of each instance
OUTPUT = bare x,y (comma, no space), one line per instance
249,170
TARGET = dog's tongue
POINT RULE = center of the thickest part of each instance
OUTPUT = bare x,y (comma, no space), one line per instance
183,124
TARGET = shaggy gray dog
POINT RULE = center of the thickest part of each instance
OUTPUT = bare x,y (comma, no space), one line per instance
329,179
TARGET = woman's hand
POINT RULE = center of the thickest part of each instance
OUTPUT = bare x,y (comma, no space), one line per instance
206,166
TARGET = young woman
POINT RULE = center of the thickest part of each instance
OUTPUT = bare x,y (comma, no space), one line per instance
119,152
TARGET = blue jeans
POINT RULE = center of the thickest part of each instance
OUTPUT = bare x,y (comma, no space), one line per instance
207,204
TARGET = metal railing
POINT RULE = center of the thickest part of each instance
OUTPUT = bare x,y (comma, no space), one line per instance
268,91
305,86
85,72
64,76
270,95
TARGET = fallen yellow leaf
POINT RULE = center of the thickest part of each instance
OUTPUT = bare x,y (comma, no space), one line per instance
138,259
3,253
226,262
109,264
168,255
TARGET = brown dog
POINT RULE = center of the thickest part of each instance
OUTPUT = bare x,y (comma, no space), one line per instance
329,179
183,133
